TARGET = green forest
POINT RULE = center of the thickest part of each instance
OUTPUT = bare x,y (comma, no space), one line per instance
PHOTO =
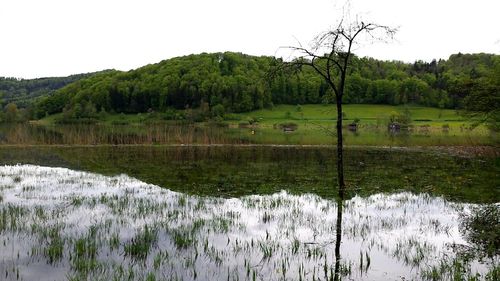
23,92
234,82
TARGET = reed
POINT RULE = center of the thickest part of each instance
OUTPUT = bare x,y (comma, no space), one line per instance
208,134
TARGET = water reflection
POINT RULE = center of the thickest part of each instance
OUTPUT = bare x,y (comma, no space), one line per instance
338,238
239,171
57,223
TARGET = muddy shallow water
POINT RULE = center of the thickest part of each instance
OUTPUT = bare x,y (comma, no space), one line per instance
59,224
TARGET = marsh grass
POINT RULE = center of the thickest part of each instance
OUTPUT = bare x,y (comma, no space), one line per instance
316,129
55,245
94,227
78,134
459,269
84,256
142,243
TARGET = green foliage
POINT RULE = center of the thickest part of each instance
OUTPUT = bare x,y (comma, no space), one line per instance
403,118
218,110
483,98
24,91
11,113
80,113
221,83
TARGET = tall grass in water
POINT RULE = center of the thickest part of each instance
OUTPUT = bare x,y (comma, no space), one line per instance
130,230
206,134
83,134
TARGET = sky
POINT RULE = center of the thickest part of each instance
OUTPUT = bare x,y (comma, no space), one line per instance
63,37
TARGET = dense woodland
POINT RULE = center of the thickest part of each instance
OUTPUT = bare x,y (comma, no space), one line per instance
23,92
234,82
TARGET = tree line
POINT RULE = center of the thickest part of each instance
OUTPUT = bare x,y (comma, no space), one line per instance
24,91
235,82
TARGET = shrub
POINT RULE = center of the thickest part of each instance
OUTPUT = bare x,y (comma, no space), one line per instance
217,110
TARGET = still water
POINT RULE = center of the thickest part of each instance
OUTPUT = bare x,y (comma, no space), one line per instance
221,213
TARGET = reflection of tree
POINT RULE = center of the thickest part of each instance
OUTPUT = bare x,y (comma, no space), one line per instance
338,237
481,228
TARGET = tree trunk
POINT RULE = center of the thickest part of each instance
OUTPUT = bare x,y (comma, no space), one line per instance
340,147
338,240
340,200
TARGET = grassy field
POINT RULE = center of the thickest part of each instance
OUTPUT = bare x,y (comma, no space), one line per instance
366,112
315,124
429,126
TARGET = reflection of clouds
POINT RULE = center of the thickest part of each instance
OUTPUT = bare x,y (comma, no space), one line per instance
398,233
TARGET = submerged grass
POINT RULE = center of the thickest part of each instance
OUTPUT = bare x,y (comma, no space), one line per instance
183,239
142,243
459,269
82,226
55,245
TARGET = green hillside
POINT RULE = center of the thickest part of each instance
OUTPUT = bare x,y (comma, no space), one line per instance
24,92
221,83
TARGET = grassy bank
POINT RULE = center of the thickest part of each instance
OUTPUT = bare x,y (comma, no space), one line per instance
367,113
284,124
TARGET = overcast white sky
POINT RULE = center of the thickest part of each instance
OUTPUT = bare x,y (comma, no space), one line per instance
63,37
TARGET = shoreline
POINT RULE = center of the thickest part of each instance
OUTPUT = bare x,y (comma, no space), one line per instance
464,151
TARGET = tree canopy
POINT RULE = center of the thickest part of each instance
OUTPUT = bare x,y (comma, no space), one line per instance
238,83
24,91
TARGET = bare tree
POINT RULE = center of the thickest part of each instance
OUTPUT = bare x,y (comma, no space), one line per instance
330,56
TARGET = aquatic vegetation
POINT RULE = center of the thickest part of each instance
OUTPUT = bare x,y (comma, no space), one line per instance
60,224
141,244
481,227
240,171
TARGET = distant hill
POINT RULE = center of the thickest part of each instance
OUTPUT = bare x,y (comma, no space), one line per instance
23,92
235,82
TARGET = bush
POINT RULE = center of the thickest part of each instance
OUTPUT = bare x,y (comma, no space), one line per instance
402,118
217,110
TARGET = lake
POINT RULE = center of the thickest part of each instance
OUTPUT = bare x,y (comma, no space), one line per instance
246,213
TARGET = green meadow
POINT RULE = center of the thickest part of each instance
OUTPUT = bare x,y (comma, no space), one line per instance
312,125
428,126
